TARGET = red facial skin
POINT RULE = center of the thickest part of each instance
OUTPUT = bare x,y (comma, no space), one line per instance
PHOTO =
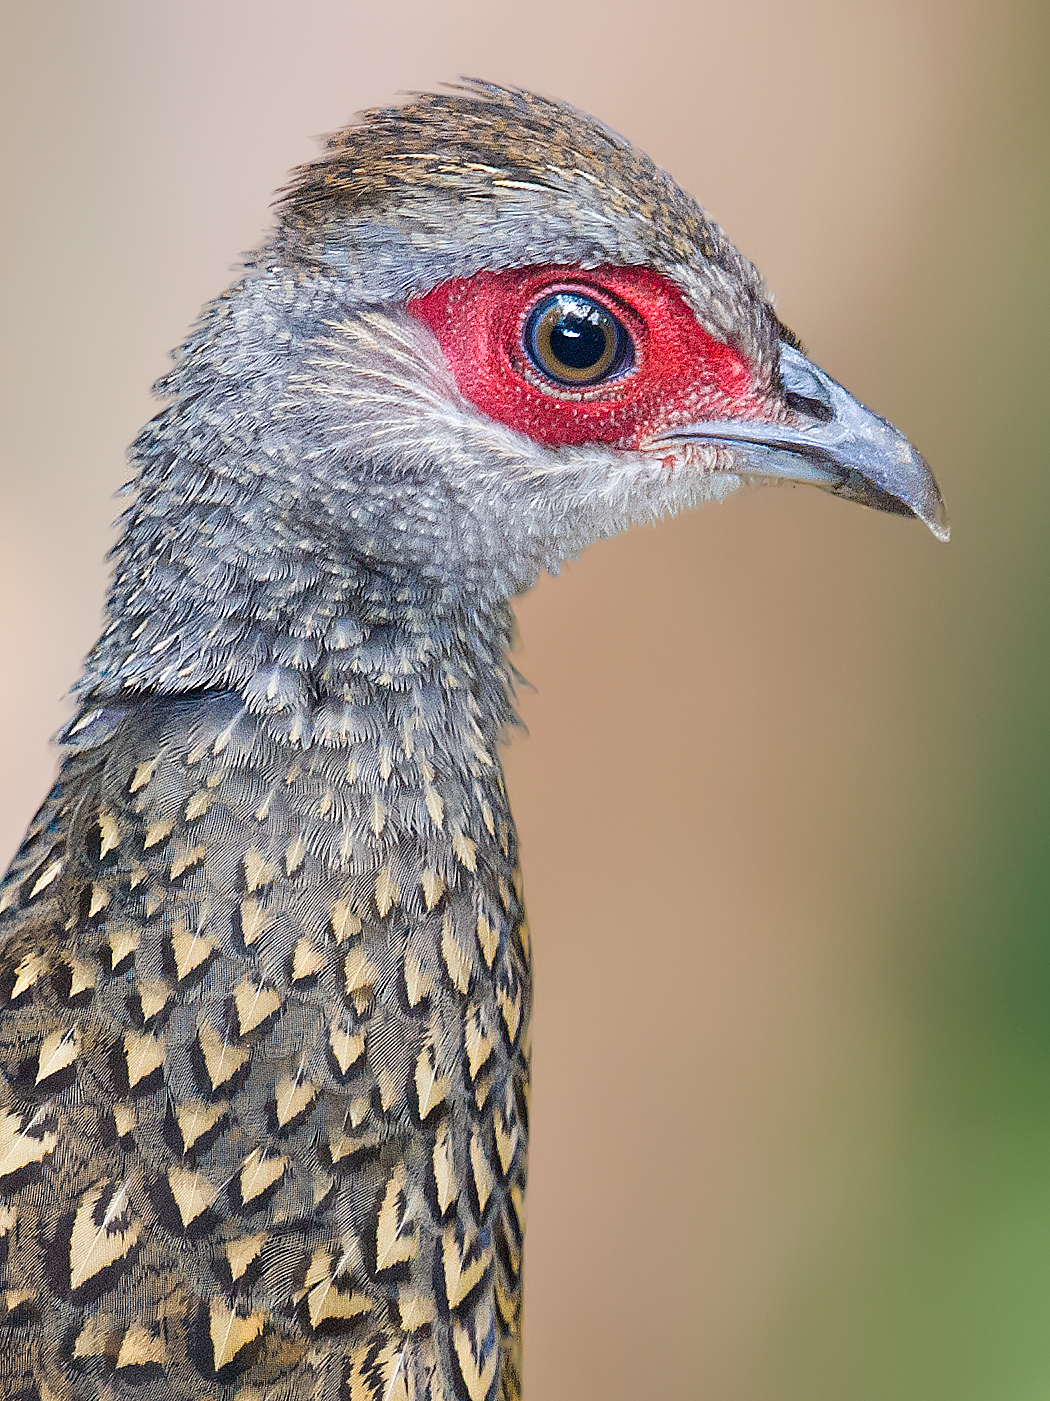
680,373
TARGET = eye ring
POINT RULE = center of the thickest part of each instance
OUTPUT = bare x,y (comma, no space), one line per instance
575,342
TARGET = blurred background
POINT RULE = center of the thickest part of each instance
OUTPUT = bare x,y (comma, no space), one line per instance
785,794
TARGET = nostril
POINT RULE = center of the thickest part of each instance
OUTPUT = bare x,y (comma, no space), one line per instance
812,408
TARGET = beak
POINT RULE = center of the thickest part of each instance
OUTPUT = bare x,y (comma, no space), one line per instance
836,443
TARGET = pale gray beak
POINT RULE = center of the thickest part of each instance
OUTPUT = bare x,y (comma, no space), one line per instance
836,444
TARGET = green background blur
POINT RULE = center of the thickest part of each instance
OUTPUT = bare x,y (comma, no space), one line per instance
785,796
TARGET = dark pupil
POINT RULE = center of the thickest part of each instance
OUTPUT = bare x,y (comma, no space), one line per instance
579,339
575,341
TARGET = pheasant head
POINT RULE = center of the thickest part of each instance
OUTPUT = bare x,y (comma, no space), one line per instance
485,332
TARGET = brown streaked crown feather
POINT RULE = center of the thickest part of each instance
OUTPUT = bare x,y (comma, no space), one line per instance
493,177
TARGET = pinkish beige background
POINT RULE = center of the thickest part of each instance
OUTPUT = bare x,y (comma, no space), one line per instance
781,798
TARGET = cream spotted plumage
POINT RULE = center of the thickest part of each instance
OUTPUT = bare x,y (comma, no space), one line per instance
251,1038
264,969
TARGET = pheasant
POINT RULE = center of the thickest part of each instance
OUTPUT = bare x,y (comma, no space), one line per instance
264,977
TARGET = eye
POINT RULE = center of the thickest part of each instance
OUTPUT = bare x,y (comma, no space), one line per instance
574,340
569,355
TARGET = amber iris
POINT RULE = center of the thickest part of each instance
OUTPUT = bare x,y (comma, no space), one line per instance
574,340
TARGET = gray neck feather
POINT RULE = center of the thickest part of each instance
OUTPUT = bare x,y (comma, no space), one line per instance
323,525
